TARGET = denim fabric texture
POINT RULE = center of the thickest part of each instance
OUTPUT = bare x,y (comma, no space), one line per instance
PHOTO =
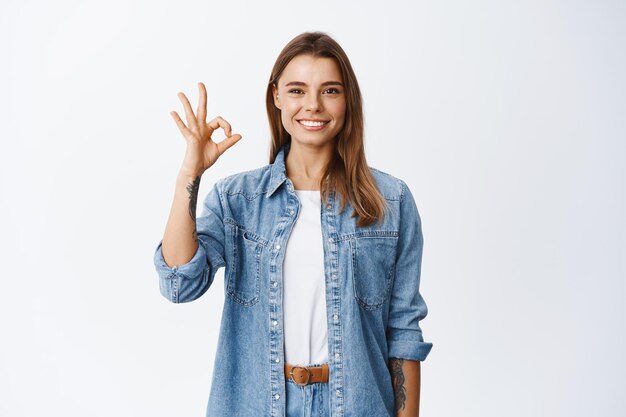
311,400
373,301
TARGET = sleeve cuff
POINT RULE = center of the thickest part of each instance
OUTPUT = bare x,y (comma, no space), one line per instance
190,270
412,350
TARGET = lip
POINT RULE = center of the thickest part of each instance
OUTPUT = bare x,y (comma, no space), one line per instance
314,128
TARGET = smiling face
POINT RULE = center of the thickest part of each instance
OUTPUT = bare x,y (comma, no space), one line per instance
312,101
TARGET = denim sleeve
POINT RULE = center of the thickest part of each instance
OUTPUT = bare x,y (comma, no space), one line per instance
187,282
407,307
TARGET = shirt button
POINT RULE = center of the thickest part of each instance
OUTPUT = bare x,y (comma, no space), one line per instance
277,360
336,316
337,355
291,211
277,396
274,283
274,322
334,276
330,239
277,247
338,392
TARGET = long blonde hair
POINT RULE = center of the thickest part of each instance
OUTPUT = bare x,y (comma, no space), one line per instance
347,171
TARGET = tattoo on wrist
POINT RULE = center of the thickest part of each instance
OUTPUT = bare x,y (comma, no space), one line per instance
193,188
397,379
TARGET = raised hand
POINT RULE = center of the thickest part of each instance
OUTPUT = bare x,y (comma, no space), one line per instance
202,151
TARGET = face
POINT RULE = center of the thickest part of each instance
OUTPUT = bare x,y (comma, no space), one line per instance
311,98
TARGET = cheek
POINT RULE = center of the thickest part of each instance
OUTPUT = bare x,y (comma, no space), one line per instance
286,116
288,111
339,110
283,116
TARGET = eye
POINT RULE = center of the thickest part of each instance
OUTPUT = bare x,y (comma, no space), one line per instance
333,89
294,90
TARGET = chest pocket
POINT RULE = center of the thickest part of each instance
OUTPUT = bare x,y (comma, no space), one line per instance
246,250
373,262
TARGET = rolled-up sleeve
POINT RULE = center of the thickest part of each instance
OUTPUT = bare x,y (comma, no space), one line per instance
407,306
187,282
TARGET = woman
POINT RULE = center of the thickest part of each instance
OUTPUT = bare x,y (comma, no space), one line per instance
322,254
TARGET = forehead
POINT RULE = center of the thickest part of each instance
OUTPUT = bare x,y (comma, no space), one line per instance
311,70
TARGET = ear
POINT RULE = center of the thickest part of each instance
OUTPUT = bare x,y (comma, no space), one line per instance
276,97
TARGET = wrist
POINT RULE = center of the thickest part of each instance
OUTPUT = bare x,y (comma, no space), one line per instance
188,176
184,180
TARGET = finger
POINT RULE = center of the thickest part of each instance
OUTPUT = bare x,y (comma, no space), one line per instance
202,104
228,142
190,116
181,125
219,122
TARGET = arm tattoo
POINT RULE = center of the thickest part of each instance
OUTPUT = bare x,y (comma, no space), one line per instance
397,379
192,189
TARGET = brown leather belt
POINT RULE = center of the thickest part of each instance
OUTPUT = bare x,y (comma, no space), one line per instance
303,375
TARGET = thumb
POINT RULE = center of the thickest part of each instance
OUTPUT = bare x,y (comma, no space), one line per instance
225,144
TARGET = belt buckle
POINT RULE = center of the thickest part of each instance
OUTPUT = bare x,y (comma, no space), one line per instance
302,367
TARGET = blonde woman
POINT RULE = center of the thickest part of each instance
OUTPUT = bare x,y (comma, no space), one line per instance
322,253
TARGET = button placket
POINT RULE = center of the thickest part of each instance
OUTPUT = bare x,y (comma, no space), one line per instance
328,218
282,233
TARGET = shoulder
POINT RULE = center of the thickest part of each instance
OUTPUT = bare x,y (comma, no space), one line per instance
250,183
254,182
391,187
399,190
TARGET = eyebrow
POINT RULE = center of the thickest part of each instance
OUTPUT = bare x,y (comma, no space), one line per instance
300,83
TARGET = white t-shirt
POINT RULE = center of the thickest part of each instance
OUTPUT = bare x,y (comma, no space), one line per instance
304,286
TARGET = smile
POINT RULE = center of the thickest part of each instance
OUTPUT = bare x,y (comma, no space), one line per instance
312,122
313,125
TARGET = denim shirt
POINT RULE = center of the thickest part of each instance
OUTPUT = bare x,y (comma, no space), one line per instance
372,292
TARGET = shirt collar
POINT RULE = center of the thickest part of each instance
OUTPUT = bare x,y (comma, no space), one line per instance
278,170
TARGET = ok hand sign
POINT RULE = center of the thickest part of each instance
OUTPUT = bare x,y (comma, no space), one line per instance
202,151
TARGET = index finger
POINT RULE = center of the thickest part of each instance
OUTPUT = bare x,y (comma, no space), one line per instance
219,122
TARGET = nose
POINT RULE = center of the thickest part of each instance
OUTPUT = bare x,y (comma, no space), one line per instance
313,103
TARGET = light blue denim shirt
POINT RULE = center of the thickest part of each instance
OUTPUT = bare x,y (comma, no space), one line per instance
373,302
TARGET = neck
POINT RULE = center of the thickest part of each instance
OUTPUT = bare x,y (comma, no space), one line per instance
305,164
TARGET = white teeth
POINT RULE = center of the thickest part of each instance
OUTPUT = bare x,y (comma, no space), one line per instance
310,123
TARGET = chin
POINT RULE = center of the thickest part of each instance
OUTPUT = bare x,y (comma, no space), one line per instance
312,140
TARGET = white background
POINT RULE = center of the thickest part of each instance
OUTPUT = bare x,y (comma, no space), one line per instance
505,118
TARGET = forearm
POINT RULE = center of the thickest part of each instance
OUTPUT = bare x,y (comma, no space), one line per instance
405,377
180,240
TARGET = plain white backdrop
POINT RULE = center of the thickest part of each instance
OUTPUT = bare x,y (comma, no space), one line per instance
505,118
